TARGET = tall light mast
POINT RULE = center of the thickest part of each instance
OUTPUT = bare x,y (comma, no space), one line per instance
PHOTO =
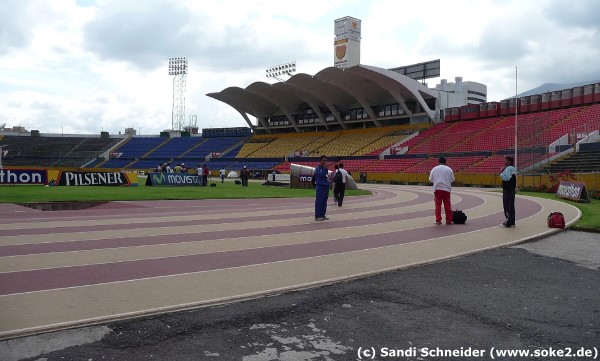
178,67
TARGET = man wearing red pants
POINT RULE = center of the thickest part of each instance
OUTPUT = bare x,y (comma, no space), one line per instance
442,177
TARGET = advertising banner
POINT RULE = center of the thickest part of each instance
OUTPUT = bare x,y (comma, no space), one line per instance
68,178
173,179
276,177
574,191
23,176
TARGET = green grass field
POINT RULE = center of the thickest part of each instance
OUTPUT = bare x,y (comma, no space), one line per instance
227,190
590,219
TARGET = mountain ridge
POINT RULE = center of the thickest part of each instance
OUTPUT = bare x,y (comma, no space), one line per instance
550,87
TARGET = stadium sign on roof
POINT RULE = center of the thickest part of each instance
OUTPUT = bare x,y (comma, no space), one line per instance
420,71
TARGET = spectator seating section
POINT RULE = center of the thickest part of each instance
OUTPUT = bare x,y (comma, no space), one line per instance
285,144
58,151
233,153
204,150
466,144
494,134
353,142
190,151
395,165
251,147
175,147
136,147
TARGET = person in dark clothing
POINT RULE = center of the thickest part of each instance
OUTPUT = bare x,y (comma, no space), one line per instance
321,180
509,190
339,186
244,175
205,173
335,190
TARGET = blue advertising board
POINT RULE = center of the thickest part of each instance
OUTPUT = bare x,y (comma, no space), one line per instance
23,176
173,179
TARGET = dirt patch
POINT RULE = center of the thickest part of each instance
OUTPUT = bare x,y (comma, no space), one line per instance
61,206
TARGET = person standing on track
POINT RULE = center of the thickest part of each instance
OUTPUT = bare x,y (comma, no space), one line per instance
339,186
442,177
321,181
509,190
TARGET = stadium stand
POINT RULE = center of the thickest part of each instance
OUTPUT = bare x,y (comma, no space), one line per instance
350,143
284,144
175,146
137,147
581,162
473,139
488,165
250,147
211,147
53,151
234,151
371,141
427,135
148,152
396,165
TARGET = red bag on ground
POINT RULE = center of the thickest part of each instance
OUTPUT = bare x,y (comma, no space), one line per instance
556,220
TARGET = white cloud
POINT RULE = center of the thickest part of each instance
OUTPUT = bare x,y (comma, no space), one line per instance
86,66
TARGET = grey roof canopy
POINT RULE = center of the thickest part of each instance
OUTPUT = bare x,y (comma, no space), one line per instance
330,90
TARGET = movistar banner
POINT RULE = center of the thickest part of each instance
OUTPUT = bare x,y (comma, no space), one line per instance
67,178
173,179
23,176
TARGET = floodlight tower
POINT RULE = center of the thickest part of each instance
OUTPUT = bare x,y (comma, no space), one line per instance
178,67
280,70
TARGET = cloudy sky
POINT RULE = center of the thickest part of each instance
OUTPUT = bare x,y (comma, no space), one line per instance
85,66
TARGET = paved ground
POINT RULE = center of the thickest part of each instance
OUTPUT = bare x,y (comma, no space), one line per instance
516,298
129,259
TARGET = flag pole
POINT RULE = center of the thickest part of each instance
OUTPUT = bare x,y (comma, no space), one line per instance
516,118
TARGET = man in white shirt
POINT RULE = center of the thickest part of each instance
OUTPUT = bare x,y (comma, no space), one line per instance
442,177
199,173
222,174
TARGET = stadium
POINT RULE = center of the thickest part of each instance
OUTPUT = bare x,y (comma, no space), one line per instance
129,260
382,123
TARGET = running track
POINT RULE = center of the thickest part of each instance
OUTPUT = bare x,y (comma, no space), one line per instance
124,259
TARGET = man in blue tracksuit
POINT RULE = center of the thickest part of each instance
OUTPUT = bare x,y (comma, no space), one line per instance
322,189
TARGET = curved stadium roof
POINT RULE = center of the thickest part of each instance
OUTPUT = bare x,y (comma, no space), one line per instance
329,92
